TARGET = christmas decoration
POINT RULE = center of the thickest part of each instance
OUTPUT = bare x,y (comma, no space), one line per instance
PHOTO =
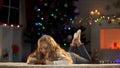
60,19
54,17
11,25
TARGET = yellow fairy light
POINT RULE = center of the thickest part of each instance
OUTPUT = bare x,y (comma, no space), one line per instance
96,20
114,16
113,20
18,26
4,24
91,12
108,18
118,20
103,17
11,25
95,14
96,11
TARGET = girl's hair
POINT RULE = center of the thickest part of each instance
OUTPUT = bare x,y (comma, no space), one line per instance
52,48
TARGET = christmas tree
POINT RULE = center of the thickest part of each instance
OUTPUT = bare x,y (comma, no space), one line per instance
54,17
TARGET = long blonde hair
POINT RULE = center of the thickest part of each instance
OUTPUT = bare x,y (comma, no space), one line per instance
54,52
52,49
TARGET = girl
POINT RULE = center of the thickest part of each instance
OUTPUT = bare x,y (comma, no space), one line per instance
48,51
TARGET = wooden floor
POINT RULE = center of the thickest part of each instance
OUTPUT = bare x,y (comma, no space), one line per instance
24,65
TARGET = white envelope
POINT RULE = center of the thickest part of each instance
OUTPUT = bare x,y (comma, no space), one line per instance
60,62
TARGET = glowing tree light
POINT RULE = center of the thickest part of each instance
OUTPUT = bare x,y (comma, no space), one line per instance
54,17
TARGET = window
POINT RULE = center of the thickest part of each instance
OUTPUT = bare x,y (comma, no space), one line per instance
9,12
3,14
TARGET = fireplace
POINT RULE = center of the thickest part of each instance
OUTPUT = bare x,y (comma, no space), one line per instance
105,42
110,39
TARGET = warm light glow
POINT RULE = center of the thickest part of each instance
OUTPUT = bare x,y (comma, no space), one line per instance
108,18
103,16
114,16
110,38
95,13
4,24
18,26
113,20
91,12
11,25
98,13
118,19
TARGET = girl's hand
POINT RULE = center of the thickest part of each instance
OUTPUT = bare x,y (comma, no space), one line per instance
48,62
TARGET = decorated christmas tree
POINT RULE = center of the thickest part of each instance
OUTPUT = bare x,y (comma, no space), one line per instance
55,18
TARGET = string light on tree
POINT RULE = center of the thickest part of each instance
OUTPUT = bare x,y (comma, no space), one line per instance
53,17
